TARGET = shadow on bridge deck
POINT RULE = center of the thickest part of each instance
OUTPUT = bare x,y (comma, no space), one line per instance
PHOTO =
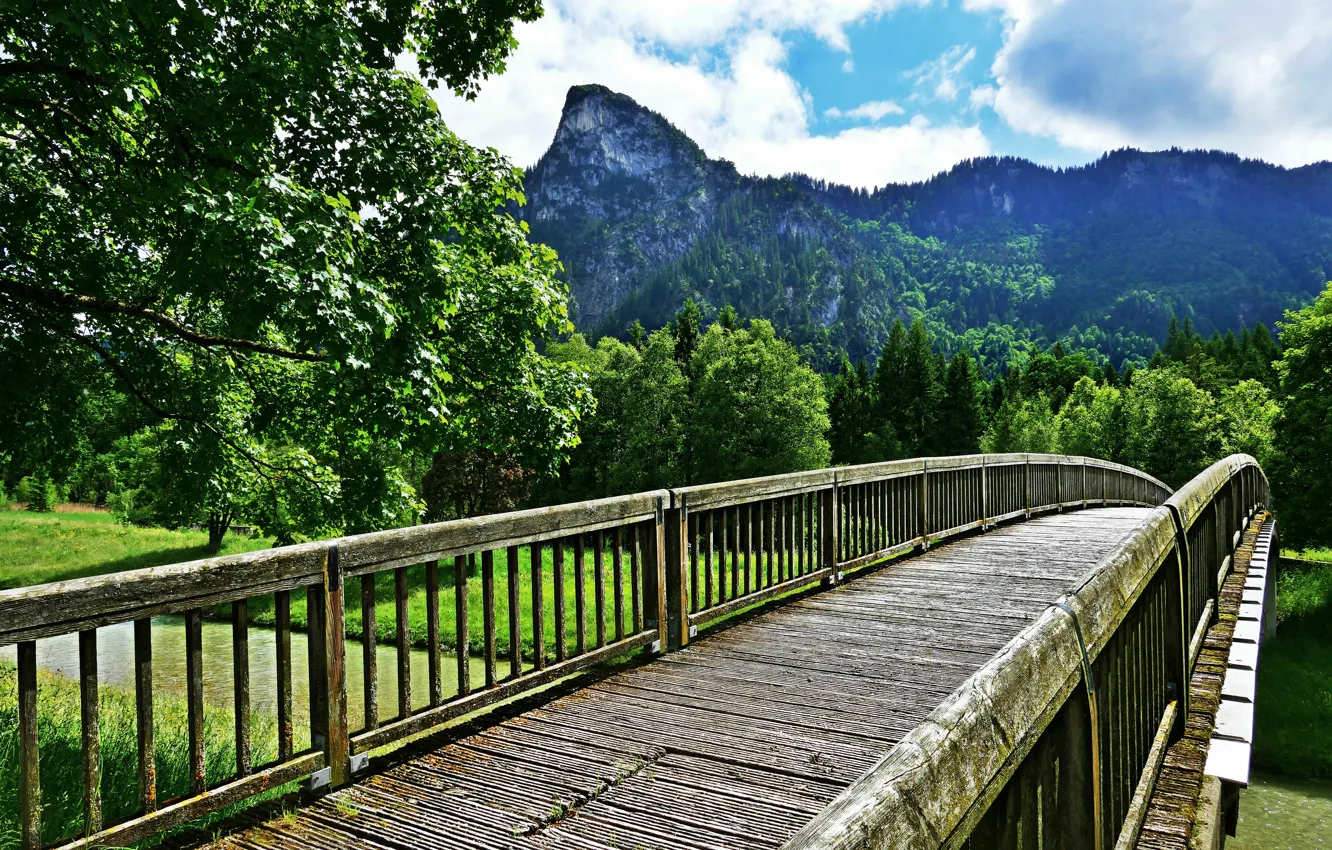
736,741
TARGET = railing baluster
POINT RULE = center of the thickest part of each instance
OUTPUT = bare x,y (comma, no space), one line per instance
404,642
599,589
488,615
695,582
617,571
538,606
462,644
282,622
195,698
708,519
580,596
636,583
735,552
92,748
515,631
369,652
315,656
240,674
432,634
748,546
143,709
30,792
557,598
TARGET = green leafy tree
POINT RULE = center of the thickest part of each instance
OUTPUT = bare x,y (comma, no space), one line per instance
1022,425
1091,422
1248,416
758,409
1302,471
247,218
1171,425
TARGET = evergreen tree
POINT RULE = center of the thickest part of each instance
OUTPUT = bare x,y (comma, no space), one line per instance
685,329
960,419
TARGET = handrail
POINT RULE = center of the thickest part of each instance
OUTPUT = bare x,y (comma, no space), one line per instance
662,564
991,748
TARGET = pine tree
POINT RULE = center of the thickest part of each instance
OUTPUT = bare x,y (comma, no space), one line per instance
685,329
960,420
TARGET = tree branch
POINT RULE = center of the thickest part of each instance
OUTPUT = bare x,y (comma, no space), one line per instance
69,302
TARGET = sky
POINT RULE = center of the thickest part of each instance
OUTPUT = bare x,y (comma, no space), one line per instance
868,92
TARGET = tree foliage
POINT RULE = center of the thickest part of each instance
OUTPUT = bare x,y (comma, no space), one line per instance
1302,474
261,231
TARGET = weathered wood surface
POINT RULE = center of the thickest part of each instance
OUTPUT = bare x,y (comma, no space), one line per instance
737,741
1177,798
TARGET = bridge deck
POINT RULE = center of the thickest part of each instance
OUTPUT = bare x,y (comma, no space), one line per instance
737,741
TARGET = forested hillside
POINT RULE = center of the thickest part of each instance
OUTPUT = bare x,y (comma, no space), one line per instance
993,256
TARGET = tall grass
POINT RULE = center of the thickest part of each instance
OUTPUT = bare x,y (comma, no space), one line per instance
61,765
1293,724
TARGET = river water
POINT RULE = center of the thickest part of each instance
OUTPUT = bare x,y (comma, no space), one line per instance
115,666
1280,813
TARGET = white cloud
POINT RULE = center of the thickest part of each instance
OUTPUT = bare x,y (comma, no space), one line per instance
717,70
874,110
982,96
849,66
942,77
1235,74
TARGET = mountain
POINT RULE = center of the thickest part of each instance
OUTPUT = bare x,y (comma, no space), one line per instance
993,254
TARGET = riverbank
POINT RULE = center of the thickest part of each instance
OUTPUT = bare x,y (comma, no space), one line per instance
1293,721
39,548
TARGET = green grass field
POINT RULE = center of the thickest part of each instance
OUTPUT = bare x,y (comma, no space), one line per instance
37,548
1293,726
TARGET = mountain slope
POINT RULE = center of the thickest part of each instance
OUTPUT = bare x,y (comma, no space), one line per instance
993,253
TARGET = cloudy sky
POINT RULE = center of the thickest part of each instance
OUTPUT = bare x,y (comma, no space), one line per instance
867,92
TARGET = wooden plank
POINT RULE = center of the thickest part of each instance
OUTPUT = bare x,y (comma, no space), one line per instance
143,710
336,748
580,598
316,656
537,566
369,653
515,631
282,627
191,808
403,640
432,633
194,699
30,793
617,573
462,649
92,747
636,584
599,585
240,675
557,591
488,615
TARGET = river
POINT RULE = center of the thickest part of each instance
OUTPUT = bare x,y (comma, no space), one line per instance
115,666
1281,813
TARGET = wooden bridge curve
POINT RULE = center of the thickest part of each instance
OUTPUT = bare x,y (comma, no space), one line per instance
1016,687
740,739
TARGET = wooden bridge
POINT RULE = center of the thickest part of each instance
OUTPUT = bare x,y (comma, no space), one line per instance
1054,676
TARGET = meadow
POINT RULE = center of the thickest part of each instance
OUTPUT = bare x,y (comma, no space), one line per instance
1293,722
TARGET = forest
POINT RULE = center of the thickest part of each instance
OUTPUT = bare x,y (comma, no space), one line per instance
694,402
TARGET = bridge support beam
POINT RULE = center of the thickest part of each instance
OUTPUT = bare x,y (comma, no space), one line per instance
676,551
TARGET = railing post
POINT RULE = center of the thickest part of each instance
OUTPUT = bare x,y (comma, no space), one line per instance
828,532
985,493
1026,484
675,557
337,746
923,513
654,577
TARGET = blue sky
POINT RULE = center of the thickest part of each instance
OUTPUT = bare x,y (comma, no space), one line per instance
866,92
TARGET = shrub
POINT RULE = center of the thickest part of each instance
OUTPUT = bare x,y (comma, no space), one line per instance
42,494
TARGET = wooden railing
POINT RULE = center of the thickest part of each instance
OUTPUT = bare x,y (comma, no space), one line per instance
530,597
1058,740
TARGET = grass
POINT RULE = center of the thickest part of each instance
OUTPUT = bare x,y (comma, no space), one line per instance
37,548
1293,726
59,734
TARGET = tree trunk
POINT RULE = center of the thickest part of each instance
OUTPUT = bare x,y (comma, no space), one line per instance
217,527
